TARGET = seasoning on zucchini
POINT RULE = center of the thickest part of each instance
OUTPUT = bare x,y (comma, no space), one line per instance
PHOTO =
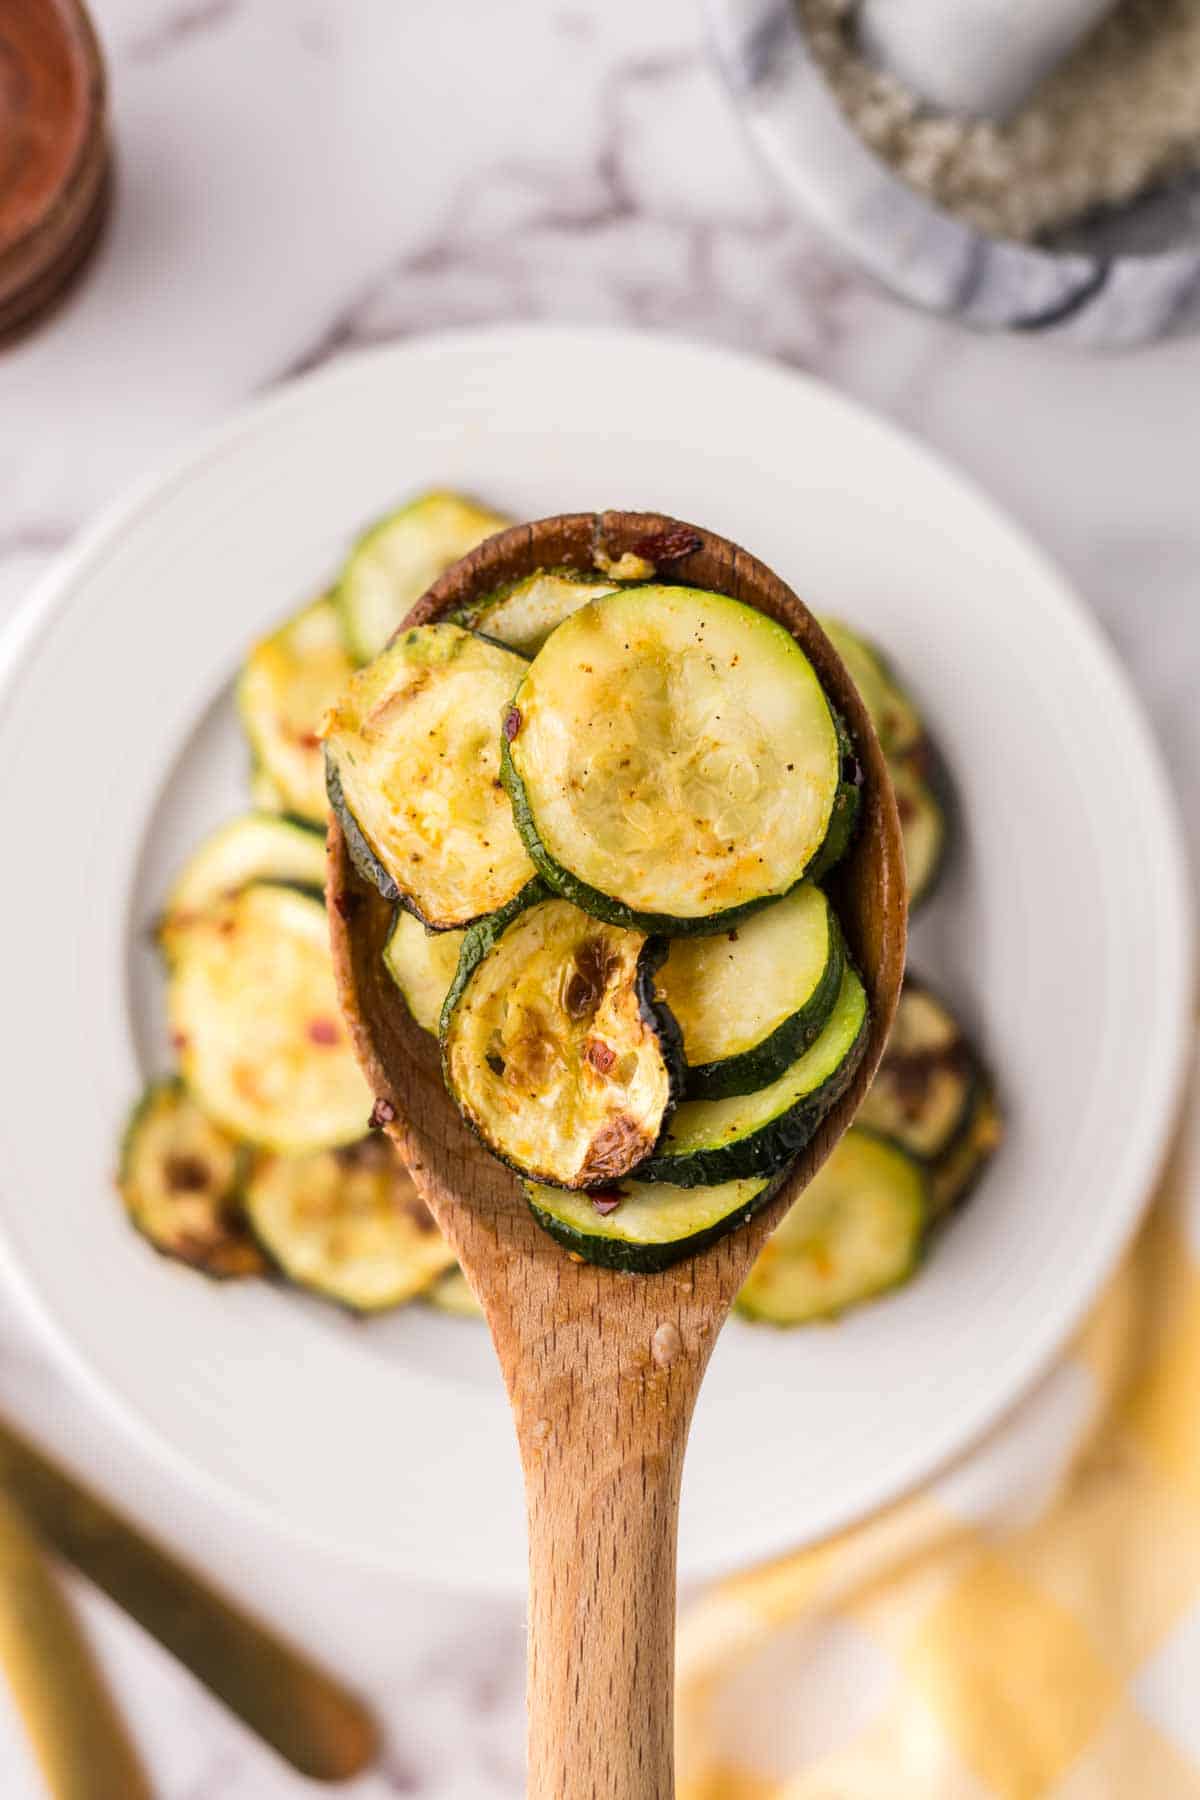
413,754
642,1227
553,1043
287,684
752,1000
523,614
710,1141
925,1085
179,1177
394,562
673,760
955,1173
254,1014
347,1224
855,1232
422,965
452,1294
253,847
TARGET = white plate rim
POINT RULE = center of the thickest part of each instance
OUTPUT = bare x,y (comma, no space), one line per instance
1145,1155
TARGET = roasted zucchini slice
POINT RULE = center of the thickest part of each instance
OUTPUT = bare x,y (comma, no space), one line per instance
923,828
642,1226
924,1089
254,1015
672,759
711,1141
451,1293
180,1179
287,685
422,965
554,1045
347,1224
254,847
855,1231
394,562
955,1173
413,752
897,722
523,614
752,1000
264,795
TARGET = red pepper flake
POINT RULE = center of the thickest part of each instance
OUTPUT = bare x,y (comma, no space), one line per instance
512,723
733,937
606,1200
600,1055
348,904
323,1031
667,546
179,1040
382,1113
308,740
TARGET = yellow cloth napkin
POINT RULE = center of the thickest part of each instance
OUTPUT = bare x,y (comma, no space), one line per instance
1028,1627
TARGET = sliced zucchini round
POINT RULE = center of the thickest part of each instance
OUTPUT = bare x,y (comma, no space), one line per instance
672,759
854,1232
287,685
347,1224
523,614
394,562
955,1173
254,847
413,752
180,1179
752,1000
422,964
554,1045
925,1085
254,1014
710,1141
640,1226
897,722
923,828
264,795
452,1293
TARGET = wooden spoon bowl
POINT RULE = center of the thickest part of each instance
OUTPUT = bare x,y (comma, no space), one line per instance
602,1368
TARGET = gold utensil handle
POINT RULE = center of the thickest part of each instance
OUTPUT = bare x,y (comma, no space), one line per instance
311,1720
77,1736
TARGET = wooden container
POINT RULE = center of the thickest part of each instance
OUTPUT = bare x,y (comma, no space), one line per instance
54,153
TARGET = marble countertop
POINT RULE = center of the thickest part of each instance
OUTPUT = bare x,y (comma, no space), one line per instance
299,177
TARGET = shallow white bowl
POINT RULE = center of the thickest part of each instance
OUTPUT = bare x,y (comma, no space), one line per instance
1062,932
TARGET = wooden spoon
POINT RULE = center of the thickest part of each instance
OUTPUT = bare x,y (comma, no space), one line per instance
603,1369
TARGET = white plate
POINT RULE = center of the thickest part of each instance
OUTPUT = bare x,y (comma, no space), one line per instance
1062,932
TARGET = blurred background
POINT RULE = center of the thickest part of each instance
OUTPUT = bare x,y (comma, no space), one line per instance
296,179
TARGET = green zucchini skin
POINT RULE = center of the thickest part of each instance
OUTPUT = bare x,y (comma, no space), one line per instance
629,1258
767,1150
361,853
756,1068
847,805
482,937
611,911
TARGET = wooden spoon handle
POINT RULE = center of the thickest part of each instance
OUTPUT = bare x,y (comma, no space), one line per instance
602,1625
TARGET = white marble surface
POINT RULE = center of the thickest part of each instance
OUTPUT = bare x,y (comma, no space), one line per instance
301,176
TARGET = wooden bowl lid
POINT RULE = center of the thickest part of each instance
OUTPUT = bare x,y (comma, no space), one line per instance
54,160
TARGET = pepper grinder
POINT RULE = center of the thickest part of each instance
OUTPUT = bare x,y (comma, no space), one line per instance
54,153
977,57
